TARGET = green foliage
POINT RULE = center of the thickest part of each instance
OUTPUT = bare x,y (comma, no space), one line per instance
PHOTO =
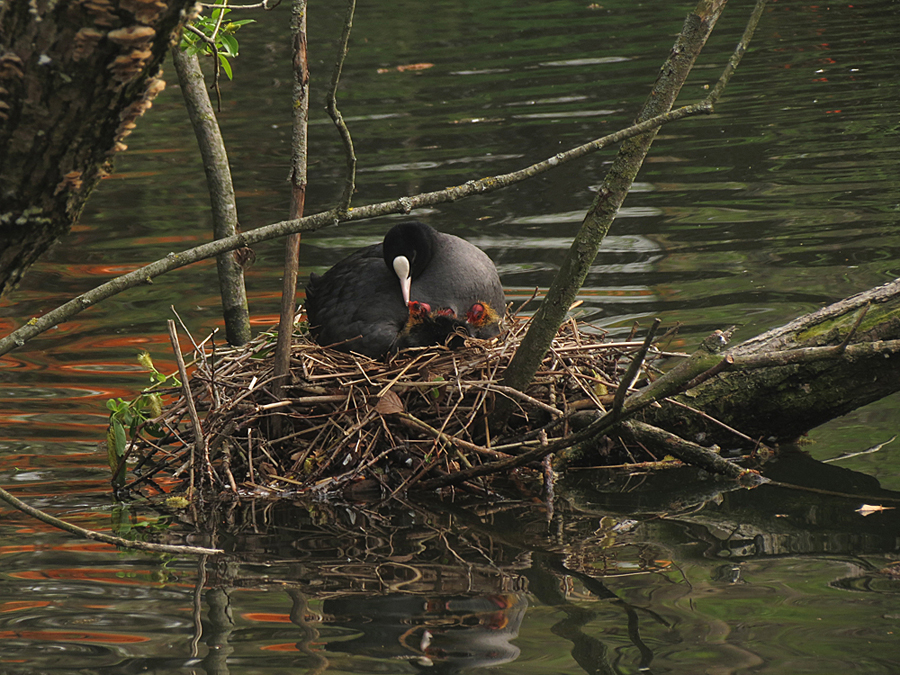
127,419
223,39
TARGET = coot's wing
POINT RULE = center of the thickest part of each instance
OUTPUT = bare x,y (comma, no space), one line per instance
357,303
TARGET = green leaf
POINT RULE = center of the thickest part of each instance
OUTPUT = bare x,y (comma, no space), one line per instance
226,67
229,45
119,438
115,450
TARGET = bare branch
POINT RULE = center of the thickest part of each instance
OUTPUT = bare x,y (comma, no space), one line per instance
173,261
634,368
199,33
738,53
259,5
221,193
299,148
99,536
616,185
200,449
350,179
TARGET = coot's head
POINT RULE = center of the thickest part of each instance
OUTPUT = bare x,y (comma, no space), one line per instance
418,311
483,321
407,250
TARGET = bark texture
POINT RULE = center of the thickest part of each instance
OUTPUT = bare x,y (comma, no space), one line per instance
74,78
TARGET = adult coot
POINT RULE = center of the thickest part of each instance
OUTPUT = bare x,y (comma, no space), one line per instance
362,303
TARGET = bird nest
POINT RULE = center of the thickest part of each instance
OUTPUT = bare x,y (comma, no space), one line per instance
352,426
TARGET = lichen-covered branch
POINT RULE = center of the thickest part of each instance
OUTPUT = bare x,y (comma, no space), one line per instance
795,377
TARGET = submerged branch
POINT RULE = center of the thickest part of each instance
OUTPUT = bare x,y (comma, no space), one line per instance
99,536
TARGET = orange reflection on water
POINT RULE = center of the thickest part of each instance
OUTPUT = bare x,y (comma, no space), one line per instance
264,320
18,605
288,647
263,616
113,575
72,636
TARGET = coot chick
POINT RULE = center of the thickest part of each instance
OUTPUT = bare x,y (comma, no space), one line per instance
426,327
482,321
361,304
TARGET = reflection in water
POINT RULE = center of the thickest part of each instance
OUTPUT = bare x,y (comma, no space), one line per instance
629,572
445,634
451,586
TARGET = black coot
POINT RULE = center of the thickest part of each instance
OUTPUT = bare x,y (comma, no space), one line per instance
361,304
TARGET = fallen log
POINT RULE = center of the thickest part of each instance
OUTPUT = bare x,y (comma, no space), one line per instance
779,385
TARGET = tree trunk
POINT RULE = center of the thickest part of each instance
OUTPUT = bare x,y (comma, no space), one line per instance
74,78
783,401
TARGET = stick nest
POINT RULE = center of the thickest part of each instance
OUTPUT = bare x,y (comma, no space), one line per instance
347,425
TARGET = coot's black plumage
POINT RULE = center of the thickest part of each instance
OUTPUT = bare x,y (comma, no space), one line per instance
359,305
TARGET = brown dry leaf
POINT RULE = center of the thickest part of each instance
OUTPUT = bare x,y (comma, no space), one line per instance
389,404
407,67
869,509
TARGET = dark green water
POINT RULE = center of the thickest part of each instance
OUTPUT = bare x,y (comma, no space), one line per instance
785,199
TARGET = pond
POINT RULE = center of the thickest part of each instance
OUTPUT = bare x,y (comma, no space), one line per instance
785,199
